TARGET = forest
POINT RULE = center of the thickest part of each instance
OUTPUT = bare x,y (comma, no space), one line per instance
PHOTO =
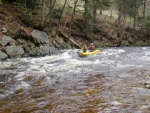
88,17
71,23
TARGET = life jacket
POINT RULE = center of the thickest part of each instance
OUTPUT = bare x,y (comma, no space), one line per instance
92,47
84,48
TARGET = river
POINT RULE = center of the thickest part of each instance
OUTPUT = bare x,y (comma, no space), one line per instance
111,81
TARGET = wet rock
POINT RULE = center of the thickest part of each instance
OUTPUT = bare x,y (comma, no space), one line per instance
147,84
53,51
43,50
14,51
19,91
28,46
30,43
144,107
38,51
3,55
115,103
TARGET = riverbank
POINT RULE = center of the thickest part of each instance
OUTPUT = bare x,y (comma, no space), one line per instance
20,37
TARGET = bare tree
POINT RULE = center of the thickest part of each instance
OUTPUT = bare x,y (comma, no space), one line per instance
144,8
62,13
72,17
43,12
86,18
50,15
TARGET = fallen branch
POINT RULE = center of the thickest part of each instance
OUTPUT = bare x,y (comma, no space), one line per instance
70,39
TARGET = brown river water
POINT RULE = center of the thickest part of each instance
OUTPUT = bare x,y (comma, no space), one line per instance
109,82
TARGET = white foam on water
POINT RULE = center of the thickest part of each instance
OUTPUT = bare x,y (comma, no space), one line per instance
6,64
66,55
70,61
115,103
21,85
107,61
144,107
78,70
69,64
20,75
147,53
82,62
113,51
24,85
144,58
45,59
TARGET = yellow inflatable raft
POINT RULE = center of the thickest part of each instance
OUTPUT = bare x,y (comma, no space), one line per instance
84,54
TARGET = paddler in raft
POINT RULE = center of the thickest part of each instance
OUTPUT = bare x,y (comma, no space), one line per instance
84,48
91,47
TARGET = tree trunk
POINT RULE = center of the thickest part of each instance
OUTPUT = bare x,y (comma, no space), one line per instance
70,39
134,23
144,8
62,13
50,15
111,13
119,20
101,11
43,12
72,17
85,18
94,13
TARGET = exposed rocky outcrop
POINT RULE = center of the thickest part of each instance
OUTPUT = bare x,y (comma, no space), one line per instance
30,43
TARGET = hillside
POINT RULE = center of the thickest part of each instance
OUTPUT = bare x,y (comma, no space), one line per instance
21,36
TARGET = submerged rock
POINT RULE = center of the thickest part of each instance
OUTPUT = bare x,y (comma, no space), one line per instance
147,84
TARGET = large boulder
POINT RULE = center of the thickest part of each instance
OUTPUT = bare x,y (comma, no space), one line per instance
39,51
3,55
39,37
9,47
32,49
14,51
7,41
43,50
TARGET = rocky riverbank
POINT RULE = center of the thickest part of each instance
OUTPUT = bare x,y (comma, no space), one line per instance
30,43
19,38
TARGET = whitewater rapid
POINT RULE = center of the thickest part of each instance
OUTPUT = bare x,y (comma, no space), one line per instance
77,79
